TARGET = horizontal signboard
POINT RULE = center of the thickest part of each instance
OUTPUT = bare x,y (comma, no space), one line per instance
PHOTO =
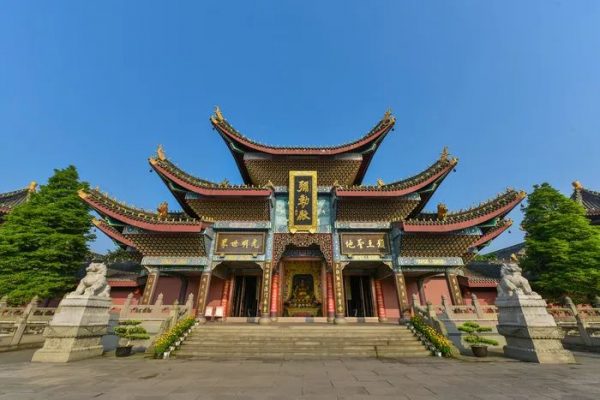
240,243
364,243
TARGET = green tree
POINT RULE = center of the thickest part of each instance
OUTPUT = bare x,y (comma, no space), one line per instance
43,243
562,248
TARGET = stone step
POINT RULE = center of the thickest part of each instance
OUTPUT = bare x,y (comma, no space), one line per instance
304,341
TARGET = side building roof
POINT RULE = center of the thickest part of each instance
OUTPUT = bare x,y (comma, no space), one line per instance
589,199
10,200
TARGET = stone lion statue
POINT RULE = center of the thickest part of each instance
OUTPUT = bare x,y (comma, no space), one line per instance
94,282
512,281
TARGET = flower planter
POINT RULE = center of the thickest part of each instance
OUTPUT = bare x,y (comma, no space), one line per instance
123,351
479,350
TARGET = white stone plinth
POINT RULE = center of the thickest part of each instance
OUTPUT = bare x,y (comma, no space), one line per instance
76,331
530,331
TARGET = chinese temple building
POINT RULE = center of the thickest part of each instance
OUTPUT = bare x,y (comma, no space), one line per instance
303,237
10,200
589,199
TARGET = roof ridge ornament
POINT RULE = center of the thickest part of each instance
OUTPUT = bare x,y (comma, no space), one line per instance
32,187
160,152
163,210
577,185
218,114
380,183
444,155
442,211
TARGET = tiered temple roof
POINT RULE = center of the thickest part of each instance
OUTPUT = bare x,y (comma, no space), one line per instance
265,170
589,199
260,163
10,200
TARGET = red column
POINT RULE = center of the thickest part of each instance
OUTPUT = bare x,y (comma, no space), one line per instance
330,301
274,295
380,303
225,296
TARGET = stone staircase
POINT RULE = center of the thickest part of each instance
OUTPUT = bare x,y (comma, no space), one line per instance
300,341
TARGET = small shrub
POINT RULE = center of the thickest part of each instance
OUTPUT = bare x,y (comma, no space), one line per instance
473,328
131,330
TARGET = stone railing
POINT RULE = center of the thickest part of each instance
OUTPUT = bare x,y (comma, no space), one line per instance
579,323
429,314
156,318
22,327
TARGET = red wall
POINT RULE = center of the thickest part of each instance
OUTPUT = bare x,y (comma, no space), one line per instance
411,289
485,296
169,286
215,292
118,295
434,288
390,298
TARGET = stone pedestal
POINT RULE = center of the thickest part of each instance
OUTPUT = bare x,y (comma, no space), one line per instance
530,331
76,330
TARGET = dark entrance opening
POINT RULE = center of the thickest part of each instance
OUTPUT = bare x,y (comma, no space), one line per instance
245,300
360,298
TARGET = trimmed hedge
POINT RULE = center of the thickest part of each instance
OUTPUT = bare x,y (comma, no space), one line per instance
441,343
167,339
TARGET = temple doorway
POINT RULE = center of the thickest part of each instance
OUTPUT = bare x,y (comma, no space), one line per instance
359,296
302,293
245,296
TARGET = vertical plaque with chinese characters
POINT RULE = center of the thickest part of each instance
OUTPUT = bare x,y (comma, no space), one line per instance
303,201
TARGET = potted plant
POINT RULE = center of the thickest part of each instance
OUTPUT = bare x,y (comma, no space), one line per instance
477,342
129,331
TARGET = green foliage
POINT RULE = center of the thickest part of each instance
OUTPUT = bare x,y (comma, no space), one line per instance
165,340
562,248
437,339
131,330
485,257
473,328
120,255
43,242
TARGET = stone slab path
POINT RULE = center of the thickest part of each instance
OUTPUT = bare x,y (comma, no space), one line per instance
138,378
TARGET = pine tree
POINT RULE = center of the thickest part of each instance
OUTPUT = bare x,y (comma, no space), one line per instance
562,247
43,243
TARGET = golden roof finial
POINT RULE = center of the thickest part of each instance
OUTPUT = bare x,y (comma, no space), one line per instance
218,114
160,152
577,185
444,155
380,183
442,210
163,210
388,117
514,258
32,186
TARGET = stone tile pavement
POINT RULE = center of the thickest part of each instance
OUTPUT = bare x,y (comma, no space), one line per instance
139,378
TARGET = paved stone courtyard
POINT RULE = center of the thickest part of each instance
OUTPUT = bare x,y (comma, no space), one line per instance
429,378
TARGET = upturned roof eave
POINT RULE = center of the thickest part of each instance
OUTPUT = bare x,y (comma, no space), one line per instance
157,226
209,192
443,227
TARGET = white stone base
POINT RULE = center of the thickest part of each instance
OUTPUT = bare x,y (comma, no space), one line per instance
530,331
76,330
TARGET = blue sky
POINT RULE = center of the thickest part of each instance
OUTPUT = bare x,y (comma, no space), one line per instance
512,87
